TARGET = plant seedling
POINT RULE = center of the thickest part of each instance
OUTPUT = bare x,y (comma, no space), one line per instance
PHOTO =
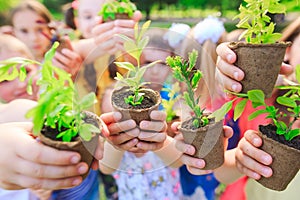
184,71
134,78
59,106
111,8
254,18
290,100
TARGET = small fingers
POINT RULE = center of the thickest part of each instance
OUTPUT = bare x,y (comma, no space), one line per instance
123,126
152,136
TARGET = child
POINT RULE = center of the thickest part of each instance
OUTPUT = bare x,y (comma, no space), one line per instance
139,173
31,24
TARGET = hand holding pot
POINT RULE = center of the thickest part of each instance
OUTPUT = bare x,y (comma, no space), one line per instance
26,163
195,165
150,136
122,134
228,75
251,160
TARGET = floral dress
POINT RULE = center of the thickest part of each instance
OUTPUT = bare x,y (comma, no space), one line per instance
146,177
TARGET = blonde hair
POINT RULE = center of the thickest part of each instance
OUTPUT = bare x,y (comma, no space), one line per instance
10,44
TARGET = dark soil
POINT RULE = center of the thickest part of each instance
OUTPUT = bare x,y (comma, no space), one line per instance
119,97
189,124
52,133
270,132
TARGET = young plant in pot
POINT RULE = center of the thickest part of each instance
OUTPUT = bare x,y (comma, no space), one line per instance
202,132
280,139
260,56
117,9
168,105
130,96
59,118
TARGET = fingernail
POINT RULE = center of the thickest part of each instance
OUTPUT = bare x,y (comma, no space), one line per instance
82,169
77,181
188,150
256,142
117,116
200,164
266,172
229,58
234,87
75,159
267,160
236,75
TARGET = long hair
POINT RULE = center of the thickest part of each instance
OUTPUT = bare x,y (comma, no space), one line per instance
34,6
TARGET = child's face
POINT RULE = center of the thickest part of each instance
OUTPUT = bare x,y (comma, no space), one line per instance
157,74
29,28
87,16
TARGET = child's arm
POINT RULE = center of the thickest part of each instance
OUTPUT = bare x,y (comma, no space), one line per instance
111,159
169,154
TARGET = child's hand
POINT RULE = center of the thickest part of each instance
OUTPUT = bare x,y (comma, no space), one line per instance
250,160
228,75
26,163
68,60
122,135
195,165
153,133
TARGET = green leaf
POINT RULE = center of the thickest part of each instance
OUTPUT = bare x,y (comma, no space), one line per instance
126,65
192,59
239,109
286,101
86,130
257,97
256,114
297,71
221,112
196,78
88,100
292,133
188,100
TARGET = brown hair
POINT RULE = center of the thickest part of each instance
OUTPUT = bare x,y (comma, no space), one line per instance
34,6
156,39
291,31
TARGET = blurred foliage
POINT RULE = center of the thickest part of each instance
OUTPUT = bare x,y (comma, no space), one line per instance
162,8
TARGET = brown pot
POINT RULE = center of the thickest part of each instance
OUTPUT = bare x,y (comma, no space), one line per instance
118,16
85,148
261,64
208,141
136,113
285,165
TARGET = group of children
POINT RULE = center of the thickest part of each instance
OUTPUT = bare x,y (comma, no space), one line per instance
145,162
